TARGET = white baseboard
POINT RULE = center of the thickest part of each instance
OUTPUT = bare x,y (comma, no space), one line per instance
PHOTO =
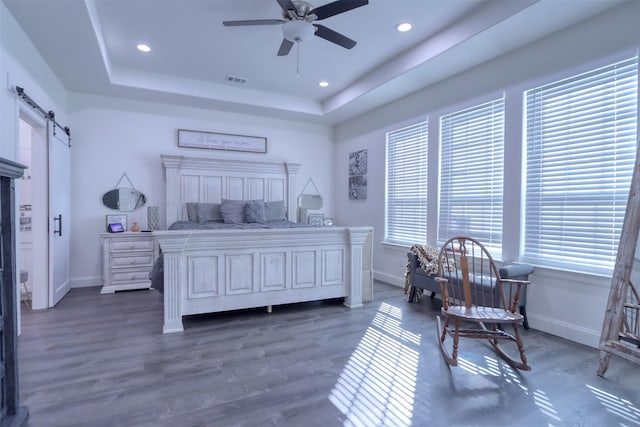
389,278
564,330
538,322
85,282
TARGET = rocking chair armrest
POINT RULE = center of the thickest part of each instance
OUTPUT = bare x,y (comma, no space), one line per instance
520,286
443,291
517,274
515,281
441,280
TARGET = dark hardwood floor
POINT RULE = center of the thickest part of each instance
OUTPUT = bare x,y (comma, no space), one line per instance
101,360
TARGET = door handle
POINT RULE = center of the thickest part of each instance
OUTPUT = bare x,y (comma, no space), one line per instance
59,220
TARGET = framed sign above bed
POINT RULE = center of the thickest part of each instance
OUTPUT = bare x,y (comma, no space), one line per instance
221,141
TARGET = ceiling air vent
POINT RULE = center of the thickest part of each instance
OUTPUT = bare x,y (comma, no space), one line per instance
234,79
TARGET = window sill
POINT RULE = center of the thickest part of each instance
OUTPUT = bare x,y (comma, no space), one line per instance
399,247
571,276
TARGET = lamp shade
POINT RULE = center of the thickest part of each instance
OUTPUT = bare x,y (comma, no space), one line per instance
296,31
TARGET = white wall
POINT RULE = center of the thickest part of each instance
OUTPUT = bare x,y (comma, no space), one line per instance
22,65
567,304
111,136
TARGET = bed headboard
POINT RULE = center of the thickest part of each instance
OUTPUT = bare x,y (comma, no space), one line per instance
200,179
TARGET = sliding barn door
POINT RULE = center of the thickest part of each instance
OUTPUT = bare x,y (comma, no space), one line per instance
59,211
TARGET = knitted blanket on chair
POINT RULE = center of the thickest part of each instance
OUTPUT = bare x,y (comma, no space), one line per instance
427,259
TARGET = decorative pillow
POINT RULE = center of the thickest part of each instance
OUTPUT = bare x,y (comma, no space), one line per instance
254,211
209,212
232,211
274,211
192,211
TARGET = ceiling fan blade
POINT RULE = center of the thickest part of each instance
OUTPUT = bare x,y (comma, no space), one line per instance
334,37
336,7
285,47
287,5
253,22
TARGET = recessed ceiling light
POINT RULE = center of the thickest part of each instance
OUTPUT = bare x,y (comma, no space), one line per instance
144,48
323,84
405,26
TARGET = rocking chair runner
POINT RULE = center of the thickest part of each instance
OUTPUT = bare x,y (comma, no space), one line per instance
476,302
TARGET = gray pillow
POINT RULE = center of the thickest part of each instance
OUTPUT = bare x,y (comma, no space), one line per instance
232,211
254,211
192,211
274,211
209,212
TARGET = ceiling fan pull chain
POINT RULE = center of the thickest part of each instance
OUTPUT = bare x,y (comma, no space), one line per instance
298,59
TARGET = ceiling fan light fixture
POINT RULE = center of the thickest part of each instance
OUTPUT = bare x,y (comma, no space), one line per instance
323,84
143,47
297,31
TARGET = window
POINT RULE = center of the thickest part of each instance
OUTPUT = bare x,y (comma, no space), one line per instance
406,195
581,139
471,175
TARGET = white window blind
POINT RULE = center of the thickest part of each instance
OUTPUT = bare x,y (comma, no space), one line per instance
406,192
581,141
471,174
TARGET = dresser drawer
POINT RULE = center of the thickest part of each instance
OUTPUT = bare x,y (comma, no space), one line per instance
132,260
120,245
129,276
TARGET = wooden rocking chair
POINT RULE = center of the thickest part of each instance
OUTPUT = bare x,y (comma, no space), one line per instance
476,302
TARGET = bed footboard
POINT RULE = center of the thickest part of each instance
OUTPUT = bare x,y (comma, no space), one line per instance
208,271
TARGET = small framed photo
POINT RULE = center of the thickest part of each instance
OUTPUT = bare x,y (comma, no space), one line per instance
116,219
316,219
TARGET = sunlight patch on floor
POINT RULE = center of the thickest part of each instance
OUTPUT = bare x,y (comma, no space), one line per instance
377,386
620,407
497,368
545,405
492,367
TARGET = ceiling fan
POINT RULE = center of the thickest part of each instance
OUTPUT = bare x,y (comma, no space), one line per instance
299,22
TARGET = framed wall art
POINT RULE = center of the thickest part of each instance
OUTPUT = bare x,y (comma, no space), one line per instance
358,163
358,175
358,187
221,141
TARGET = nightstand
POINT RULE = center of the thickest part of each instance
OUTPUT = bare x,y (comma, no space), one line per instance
127,259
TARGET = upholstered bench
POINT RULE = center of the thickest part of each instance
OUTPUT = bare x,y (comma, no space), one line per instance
418,279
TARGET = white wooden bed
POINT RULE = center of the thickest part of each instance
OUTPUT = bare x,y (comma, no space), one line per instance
207,271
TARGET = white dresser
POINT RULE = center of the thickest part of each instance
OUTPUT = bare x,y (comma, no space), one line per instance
127,259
